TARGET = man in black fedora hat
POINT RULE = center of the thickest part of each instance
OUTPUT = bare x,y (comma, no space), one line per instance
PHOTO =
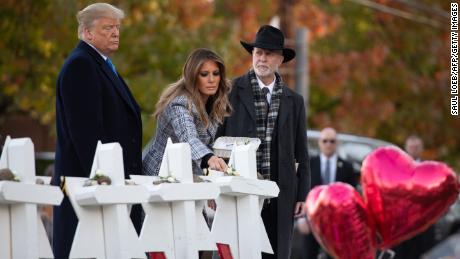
264,108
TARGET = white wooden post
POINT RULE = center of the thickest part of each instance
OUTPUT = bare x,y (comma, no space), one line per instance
174,223
237,221
22,232
105,229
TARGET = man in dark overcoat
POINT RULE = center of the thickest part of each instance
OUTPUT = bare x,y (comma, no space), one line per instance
265,108
93,103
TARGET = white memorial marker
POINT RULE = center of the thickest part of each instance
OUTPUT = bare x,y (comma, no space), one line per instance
174,223
237,220
22,234
104,228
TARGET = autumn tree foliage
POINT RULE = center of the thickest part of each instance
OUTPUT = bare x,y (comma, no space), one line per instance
371,73
380,75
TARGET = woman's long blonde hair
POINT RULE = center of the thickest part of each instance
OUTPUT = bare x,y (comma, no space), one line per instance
187,85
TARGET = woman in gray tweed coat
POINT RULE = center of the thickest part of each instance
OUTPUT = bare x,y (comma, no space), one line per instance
190,110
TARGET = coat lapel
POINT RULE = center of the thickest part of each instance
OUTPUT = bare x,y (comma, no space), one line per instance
285,108
203,132
339,171
117,81
247,97
315,171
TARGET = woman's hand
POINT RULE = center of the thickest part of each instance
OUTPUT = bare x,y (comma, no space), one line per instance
217,163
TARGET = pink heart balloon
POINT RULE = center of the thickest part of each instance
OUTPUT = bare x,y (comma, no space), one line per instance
405,197
340,221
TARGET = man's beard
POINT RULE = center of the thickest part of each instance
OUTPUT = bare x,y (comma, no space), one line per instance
264,72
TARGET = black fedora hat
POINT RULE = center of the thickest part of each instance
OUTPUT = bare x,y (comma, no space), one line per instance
269,37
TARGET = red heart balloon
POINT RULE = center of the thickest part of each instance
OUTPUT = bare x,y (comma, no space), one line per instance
340,221
405,197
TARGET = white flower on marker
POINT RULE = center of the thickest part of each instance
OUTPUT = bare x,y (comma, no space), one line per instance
232,171
130,182
16,177
229,170
171,179
98,173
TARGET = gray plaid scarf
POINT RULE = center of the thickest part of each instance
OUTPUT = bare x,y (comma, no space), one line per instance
265,133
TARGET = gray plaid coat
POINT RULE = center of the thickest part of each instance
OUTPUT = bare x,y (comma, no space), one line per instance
181,125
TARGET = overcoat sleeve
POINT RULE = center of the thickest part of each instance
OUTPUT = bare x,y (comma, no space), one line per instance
81,91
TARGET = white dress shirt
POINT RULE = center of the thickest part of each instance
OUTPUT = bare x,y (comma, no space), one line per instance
270,87
102,55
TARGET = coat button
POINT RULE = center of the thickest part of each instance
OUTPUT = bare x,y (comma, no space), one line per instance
133,140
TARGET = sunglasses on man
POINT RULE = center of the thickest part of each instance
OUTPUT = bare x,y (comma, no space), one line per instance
332,141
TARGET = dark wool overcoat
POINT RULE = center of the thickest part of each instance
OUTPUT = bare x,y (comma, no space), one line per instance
92,103
288,147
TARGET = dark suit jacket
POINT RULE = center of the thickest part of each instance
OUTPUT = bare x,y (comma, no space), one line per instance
92,103
288,147
345,174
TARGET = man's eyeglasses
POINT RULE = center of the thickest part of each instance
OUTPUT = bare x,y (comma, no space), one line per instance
332,141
